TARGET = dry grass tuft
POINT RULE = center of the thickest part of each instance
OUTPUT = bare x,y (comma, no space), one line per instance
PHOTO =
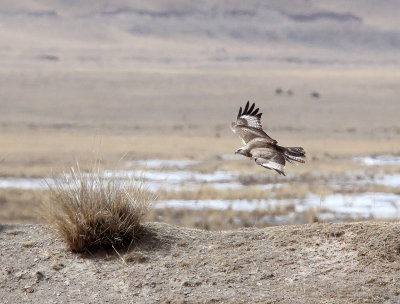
88,211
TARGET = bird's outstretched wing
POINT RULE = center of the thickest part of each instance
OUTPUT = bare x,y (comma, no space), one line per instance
248,125
270,159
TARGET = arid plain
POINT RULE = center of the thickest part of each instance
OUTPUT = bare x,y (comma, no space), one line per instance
116,117
134,87
146,91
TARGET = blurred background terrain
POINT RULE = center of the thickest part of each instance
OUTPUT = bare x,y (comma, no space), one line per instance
149,90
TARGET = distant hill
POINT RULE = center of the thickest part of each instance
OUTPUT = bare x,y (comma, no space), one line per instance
291,31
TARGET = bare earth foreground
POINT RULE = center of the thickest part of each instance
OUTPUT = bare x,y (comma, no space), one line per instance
319,263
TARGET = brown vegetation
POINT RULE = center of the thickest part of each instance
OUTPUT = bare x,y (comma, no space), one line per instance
89,212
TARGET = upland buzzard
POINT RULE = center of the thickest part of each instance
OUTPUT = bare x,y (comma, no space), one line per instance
259,146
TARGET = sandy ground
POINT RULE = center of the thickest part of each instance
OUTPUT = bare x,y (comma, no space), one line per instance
115,82
320,263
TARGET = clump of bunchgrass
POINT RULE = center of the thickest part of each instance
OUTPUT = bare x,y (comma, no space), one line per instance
89,211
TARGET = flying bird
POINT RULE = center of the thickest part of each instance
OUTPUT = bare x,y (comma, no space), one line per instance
259,146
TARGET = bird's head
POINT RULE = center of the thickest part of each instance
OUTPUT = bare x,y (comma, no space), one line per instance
240,151
243,151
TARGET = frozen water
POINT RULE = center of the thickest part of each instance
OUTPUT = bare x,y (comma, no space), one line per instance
155,180
348,181
392,180
358,205
23,183
173,176
379,160
163,163
364,205
221,180
236,205
375,204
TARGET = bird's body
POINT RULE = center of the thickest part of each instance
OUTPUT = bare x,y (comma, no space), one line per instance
259,146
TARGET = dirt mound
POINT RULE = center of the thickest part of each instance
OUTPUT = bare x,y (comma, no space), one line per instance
320,263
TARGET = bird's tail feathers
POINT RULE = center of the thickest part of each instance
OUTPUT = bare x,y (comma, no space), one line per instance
294,154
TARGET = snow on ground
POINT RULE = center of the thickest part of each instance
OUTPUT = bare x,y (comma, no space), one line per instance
362,205
174,178
379,160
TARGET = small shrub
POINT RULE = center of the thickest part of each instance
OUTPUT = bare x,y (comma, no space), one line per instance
88,211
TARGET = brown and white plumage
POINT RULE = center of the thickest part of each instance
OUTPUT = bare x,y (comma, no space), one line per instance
259,146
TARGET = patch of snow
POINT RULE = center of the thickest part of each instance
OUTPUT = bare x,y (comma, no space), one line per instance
364,205
163,163
380,160
174,176
392,180
23,183
236,205
376,204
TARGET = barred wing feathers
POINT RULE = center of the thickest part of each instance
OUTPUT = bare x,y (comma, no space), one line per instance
248,125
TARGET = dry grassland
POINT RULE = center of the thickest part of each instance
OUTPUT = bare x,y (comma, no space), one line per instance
113,83
58,116
37,154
